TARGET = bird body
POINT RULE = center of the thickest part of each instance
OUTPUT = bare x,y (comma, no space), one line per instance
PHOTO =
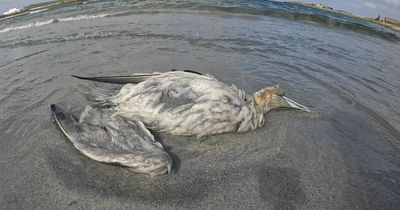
183,103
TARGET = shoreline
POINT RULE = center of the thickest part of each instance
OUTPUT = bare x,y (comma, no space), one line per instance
369,19
34,8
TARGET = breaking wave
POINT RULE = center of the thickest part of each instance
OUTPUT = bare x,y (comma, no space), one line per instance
54,20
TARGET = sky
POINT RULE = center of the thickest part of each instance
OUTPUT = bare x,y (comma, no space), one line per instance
370,8
5,5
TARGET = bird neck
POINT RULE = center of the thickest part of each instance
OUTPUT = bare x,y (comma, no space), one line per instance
262,101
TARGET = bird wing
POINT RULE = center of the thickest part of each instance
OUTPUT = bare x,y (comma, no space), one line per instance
134,79
110,139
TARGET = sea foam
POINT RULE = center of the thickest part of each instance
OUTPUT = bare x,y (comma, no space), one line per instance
54,20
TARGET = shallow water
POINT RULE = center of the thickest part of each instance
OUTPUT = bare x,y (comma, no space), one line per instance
344,156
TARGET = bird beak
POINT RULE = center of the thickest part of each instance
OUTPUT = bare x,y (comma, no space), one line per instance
169,168
295,105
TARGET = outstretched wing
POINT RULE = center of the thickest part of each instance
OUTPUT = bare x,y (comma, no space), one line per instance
111,139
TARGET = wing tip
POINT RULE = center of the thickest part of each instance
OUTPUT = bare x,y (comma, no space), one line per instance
78,77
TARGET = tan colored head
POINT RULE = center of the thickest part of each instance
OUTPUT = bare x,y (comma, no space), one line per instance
270,97
274,97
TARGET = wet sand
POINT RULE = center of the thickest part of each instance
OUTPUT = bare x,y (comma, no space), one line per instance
268,168
294,162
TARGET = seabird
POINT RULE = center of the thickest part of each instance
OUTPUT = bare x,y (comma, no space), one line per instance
184,103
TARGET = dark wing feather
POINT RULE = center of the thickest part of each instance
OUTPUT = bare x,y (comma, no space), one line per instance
119,79
188,71
134,79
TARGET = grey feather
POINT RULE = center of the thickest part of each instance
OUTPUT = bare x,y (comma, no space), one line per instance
106,137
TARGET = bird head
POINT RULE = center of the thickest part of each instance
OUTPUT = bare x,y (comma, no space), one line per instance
273,97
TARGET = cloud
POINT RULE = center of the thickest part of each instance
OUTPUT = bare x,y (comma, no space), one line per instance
370,5
393,3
